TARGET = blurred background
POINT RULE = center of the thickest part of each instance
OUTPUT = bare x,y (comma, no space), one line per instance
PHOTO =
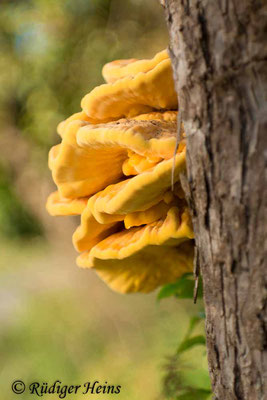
59,322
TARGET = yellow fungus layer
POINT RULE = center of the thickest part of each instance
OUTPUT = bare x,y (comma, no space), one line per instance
132,96
139,192
148,216
168,116
153,139
57,205
81,116
91,232
136,164
80,172
91,157
145,270
52,156
140,259
91,217
119,69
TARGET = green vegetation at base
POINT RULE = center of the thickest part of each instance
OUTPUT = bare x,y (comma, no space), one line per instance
186,372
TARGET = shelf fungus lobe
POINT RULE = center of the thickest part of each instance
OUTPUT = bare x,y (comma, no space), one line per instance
57,205
131,95
119,69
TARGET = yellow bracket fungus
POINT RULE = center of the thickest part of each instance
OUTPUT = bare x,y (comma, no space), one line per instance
114,168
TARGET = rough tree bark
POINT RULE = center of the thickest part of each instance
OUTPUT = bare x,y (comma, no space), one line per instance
219,54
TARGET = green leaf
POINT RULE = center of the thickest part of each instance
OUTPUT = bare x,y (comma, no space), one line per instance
198,394
202,314
191,342
183,288
167,291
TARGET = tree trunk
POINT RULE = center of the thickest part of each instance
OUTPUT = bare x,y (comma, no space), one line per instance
219,54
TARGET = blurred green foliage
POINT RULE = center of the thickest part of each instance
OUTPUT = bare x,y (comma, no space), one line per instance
15,219
52,53
59,322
